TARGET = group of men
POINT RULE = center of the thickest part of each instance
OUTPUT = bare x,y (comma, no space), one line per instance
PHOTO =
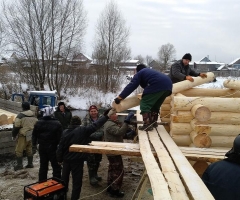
56,134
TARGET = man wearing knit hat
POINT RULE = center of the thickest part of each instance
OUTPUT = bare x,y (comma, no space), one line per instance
93,159
63,114
47,133
157,86
181,71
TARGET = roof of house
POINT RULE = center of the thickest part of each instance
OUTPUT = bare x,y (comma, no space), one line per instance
234,61
204,59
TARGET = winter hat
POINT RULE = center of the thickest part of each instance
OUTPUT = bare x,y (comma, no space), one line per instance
140,66
92,107
48,111
187,56
61,103
25,106
75,120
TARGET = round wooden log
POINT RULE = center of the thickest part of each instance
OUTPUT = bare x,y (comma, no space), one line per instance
200,167
232,84
210,92
201,112
165,113
184,85
216,117
3,119
166,106
167,100
224,130
200,140
182,140
180,128
199,128
127,103
213,103
222,141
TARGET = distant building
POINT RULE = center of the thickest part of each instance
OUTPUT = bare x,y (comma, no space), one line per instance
206,65
235,64
128,66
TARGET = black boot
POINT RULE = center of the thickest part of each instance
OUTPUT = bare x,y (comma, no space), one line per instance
99,178
116,194
154,116
30,160
146,122
92,179
19,164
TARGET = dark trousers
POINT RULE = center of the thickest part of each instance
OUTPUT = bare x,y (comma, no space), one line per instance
115,172
77,174
93,161
152,102
47,155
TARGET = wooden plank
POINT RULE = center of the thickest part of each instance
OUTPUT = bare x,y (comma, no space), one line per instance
158,183
193,182
169,171
105,150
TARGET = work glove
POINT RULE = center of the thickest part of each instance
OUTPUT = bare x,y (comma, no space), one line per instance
109,112
118,100
131,134
190,78
203,75
34,149
128,118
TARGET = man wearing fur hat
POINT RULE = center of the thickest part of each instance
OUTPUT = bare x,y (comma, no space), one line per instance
222,178
22,131
181,71
94,159
63,114
157,86
47,133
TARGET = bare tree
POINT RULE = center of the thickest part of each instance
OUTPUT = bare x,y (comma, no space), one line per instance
111,44
140,58
148,59
44,34
166,54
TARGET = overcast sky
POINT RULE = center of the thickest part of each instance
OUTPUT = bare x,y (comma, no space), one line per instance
199,27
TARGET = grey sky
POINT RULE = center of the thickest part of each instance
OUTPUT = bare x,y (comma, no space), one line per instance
199,27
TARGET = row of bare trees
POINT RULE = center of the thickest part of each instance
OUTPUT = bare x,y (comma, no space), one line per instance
45,35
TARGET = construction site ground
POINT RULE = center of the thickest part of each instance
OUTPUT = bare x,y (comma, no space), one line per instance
12,183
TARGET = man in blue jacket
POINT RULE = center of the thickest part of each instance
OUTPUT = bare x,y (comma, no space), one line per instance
222,178
157,86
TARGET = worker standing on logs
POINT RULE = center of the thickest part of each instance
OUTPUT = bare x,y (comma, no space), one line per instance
222,178
181,70
157,86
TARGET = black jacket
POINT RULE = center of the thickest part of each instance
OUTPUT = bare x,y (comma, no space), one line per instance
79,135
47,132
178,72
222,178
63,118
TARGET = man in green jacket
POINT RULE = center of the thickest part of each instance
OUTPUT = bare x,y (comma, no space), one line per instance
22,131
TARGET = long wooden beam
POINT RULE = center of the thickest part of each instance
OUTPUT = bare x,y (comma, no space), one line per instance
195,186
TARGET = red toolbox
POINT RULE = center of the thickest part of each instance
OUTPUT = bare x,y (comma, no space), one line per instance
50,189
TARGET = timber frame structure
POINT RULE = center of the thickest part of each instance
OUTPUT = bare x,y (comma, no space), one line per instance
175,155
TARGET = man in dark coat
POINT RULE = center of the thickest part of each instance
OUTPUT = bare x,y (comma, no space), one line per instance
74,161
223,177
63,114
157,86
181,71
47,133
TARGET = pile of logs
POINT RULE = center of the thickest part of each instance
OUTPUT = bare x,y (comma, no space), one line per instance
6,117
